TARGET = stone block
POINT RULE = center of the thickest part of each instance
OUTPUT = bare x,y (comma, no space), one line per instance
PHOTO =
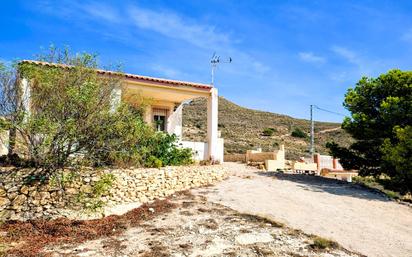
18,202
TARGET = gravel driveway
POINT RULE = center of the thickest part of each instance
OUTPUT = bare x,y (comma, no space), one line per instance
356,218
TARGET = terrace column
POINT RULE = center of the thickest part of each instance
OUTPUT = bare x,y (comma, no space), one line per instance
116,98
25,97
212,119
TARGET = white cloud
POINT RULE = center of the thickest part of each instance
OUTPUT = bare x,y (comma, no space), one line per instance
407,36
124,23
347,54
361,65
174,26
311,57
260,67
101,11
167,72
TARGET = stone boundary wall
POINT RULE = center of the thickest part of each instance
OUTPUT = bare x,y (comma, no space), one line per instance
260,157
23,197
240,157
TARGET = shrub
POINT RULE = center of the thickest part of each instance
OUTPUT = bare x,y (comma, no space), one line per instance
164,147
77,124
67,103
153,162
92,201
320,243
268,132
297,132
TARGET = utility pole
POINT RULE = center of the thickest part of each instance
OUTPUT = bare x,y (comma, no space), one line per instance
312,132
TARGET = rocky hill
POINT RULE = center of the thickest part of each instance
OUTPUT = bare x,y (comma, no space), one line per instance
244,129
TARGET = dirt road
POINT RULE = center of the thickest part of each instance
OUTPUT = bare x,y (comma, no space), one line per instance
358,219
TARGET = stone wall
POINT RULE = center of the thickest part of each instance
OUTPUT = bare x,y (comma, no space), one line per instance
238,157
23,196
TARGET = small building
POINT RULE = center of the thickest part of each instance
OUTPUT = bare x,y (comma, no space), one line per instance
164,110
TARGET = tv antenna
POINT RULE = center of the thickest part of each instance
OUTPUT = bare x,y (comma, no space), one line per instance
215,61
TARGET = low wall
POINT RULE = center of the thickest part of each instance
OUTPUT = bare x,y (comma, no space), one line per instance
200,149
302,166
260,157
23,198
240,157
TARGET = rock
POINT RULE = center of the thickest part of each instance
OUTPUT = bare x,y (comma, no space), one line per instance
95,178
24,190
33,193
13,195
3,192
86,189
6,214
71,191
44,195
13,189
18,202
4,201
252,238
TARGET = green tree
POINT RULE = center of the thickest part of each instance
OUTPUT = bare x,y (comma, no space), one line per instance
381,111
397,155
72,120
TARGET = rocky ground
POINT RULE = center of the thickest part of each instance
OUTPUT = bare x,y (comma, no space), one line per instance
197,227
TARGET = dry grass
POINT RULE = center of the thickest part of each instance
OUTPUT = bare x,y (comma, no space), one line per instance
29,238
261,219
156,250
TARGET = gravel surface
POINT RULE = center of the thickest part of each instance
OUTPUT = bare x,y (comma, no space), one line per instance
201,228
358,219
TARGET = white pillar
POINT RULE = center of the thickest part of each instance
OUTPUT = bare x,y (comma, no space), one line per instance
212,119
116,98
25,97
174,122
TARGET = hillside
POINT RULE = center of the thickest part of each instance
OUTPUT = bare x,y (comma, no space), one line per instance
243,128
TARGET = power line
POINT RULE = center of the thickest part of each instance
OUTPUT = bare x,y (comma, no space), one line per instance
336,113
312,125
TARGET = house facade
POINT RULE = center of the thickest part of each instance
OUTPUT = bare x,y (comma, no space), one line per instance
165,101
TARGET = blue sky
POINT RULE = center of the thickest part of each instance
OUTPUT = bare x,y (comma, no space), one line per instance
286,54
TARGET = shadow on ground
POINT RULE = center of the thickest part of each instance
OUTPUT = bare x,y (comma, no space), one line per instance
328,185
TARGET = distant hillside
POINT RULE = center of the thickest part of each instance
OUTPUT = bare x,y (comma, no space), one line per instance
243,129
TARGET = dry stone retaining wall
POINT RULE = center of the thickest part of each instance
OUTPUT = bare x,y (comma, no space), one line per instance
23,196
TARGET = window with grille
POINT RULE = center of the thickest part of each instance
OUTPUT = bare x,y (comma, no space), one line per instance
159,119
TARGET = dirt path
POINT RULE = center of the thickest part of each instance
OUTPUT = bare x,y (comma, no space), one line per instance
329,130
356,218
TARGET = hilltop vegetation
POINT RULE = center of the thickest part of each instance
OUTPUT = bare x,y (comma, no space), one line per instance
244,129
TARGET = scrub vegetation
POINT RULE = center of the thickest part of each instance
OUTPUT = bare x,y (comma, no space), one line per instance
244,129
72,120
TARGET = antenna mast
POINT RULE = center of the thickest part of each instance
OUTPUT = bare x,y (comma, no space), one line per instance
214,62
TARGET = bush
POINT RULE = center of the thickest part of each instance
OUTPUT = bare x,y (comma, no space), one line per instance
164,147
297,132
320,243
153,162
77,124
268,132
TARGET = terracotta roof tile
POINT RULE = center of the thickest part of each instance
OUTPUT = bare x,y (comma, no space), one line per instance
170,82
